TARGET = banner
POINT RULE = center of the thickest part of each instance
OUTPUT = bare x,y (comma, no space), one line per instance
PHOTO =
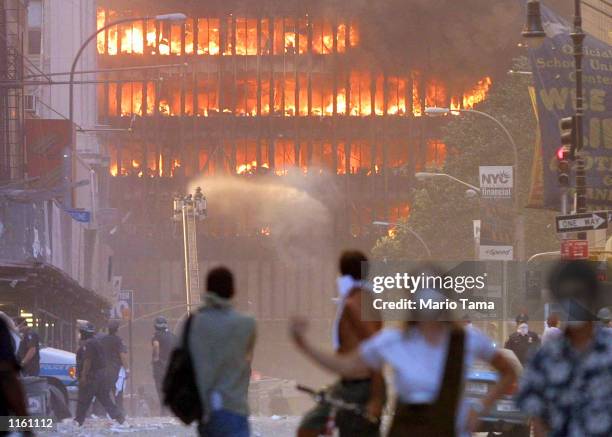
554,77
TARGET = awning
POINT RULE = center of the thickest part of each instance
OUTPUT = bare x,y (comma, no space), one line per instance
28,282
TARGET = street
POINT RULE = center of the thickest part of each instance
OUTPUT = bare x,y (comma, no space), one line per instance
274,426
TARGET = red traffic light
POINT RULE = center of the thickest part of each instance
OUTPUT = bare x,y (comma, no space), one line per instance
562,153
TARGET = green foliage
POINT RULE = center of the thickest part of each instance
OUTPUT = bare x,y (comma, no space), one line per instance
441,213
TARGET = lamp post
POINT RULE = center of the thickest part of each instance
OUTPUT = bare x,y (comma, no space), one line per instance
470,192
187,210
534,31
433,112
176,17
412,231
426,175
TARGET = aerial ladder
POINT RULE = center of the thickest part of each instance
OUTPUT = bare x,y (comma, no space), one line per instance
188,210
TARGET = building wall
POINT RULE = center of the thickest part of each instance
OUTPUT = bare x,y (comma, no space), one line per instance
597,19
55,31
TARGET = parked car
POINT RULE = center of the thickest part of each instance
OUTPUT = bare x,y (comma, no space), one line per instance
504,419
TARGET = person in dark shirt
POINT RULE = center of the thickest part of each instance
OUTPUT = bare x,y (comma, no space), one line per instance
116,357
91,367
28,352
12,396
523,342
163,343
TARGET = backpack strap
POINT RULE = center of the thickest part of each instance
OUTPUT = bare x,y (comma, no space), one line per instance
186,332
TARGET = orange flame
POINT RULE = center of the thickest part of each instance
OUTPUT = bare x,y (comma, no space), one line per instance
478,94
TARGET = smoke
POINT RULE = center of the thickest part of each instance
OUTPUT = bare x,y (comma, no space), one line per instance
296,223
458,41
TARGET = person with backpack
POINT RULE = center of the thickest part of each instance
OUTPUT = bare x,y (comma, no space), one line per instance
163,342
220,341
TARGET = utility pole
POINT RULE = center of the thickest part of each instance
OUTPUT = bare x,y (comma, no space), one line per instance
578,38
572,136
188,210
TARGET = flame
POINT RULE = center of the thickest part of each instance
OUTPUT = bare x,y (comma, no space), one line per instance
164,107
290,42
113,169
100,22
133,39
417,107
135,164
478,94
249,168
265,230
455,105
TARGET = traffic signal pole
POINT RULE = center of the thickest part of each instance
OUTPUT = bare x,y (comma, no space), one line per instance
578,38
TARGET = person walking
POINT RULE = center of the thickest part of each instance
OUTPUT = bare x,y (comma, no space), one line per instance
28,352
350,330
566,387
92,379
429,379
115,352
523,342
163,342
221,342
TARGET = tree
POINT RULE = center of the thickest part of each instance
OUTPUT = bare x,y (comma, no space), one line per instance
440,213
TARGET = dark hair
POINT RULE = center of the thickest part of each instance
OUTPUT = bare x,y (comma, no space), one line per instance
522,318
354,263
113,326
553,320
579,271
220,281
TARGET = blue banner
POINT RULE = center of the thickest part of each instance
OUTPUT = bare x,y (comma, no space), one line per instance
554,76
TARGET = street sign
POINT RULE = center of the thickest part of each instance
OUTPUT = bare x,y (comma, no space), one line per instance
80,215
496,181
496,253
588,221
123,306
574,249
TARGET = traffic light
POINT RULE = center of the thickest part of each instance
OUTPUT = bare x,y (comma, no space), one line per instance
568,135
563,166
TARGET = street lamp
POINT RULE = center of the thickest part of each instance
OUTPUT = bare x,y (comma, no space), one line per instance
188,210
421,176
533,30
173,17
436,112
534,19
412,231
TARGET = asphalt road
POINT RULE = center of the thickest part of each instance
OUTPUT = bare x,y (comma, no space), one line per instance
274,426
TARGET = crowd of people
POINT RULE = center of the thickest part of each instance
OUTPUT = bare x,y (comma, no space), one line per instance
565,389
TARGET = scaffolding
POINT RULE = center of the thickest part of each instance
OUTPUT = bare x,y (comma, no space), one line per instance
12,30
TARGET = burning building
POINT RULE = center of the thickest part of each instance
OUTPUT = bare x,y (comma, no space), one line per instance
275,92
300,126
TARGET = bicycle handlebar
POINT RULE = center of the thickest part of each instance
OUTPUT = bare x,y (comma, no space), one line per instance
324,396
